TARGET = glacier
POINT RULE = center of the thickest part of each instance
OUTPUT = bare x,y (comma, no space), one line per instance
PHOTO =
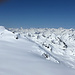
37,51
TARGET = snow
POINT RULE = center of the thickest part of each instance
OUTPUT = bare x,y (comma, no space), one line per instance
37,51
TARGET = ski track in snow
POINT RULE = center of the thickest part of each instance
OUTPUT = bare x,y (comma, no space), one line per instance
37,51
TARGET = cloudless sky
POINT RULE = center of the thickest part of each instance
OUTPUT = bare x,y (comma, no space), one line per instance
38,13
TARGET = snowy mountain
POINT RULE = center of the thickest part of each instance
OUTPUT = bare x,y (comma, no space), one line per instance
37,51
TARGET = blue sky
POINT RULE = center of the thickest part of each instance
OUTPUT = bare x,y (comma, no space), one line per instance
38,13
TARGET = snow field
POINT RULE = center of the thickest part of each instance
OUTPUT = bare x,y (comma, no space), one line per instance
37,52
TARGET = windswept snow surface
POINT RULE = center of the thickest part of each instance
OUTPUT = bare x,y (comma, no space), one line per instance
37,51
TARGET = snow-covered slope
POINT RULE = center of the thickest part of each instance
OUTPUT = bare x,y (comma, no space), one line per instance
59,44
37,51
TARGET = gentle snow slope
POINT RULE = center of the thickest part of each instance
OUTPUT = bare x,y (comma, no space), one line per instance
24,57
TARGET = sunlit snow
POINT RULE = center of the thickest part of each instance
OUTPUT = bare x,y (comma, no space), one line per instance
37,51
